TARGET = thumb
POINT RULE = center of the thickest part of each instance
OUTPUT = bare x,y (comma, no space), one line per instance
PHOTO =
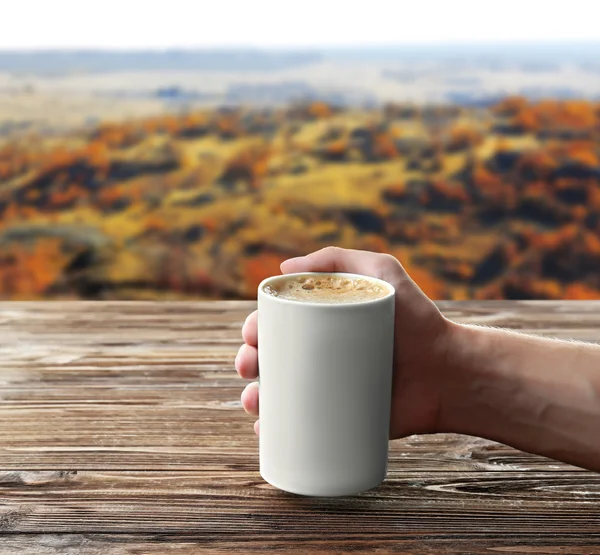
413,306
335,259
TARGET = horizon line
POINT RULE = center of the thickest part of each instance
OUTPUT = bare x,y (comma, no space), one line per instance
297,48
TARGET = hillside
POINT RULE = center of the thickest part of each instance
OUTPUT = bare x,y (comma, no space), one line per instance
476,203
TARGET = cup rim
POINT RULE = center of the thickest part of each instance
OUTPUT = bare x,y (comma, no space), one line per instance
391,290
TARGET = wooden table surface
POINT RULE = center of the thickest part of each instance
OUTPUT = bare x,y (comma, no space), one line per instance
121,431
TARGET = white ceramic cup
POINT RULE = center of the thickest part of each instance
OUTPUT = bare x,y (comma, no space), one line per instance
325,382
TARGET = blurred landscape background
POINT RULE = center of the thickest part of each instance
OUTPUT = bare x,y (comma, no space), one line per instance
193,173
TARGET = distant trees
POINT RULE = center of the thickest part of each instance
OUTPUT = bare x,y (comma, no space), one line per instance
319,110
549,115
523,177
14,161
259,267
27,271
246,169
462,137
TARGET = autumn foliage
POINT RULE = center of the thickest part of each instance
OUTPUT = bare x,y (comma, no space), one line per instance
209,203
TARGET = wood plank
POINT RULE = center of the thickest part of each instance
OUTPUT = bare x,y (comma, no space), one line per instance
115,448
221,544
151,386
121,431
240,504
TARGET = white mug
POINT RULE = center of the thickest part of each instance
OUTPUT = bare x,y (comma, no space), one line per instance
325,383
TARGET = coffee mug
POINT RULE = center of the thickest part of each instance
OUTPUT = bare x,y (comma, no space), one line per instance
325,382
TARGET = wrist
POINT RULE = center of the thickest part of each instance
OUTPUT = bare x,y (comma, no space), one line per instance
466,349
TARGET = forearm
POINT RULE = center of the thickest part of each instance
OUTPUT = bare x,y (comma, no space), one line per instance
538,395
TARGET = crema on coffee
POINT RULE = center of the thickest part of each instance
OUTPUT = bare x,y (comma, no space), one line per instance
326,288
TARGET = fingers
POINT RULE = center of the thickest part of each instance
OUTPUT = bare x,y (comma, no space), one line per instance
246,362
257,427
335,259
250,329
246,365
329,259
250,398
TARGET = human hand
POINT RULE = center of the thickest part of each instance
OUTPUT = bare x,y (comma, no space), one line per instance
421,339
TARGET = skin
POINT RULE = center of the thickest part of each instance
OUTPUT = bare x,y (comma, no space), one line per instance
538,395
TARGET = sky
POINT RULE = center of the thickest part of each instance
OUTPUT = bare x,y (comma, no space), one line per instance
147,24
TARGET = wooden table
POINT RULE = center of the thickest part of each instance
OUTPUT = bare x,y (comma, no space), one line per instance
121,431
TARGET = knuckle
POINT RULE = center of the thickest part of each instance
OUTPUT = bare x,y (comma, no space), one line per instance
390,261
390,268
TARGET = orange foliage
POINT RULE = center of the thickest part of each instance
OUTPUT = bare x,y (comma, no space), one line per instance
511,105
431,286
201,280
493,187
172,272
210,224
545,289
154,222
579,212
336,148
397,189
578,113
61,176
583,153
260,267
461,270
135,191
449,190
385,147
485,180
261,165
526,119
11,213
58,158
97,154
590,243
66,196
109,195
170,124
196,119
502,145
580,292
28,272
528,287
319,110
574,114
5,170
119,135
150,126
227,125
254,161
594,196
540,160
462,137
553,240
373,243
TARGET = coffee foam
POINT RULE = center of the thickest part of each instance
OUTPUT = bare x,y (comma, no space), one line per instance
326,289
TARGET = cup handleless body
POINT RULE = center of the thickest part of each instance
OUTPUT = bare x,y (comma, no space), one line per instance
325,382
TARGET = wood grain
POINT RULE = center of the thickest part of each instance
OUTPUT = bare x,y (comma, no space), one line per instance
130,544
121,431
